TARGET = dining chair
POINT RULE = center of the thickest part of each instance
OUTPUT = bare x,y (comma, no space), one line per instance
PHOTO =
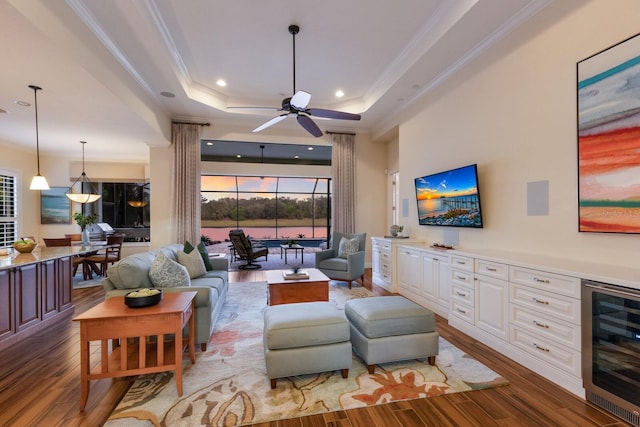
99,262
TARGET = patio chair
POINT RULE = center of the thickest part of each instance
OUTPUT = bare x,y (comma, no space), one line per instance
245,251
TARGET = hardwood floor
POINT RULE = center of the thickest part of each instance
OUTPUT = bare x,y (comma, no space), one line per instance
40,386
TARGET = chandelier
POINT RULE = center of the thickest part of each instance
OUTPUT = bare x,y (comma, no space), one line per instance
90,197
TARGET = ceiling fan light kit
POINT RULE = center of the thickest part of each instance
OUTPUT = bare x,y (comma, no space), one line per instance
298,102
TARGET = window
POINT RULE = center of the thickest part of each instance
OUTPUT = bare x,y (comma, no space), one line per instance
8,208
265,207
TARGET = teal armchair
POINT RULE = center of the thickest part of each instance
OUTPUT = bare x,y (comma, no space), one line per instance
348,267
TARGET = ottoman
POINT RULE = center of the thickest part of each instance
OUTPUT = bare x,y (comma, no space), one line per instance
305,338
390,329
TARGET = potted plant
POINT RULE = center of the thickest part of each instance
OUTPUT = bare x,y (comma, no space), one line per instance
83,221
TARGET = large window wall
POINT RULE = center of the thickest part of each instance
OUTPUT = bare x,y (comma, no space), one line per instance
266,207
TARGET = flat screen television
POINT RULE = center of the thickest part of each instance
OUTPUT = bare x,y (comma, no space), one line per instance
450,198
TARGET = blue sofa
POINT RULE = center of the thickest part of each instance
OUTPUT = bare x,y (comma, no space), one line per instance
132,273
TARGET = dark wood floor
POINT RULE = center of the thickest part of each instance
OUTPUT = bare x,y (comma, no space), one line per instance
40,386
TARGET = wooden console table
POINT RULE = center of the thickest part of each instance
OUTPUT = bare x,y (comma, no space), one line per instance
139,345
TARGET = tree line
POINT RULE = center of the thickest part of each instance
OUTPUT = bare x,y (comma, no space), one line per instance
231,208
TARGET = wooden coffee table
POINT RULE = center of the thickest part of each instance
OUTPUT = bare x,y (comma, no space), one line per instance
139,345
281,291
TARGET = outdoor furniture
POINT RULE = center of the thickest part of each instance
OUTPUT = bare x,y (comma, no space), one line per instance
391,329
245,251
292,247
305,338
344,261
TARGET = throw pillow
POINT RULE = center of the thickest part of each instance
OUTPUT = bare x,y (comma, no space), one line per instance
347,247
166,273
192,262
202,249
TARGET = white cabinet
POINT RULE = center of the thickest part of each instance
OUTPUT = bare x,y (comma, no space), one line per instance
384,269
424,277
492,297
462,289
409,270
545,317
530,315
381,263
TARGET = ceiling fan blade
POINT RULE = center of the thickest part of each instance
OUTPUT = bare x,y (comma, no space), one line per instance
255,108
300,100
309,125
271,122
332,114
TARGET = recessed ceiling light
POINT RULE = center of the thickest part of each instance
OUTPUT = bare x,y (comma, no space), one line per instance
23,103
339,93
238,156
310,148
296,157
209,143
167,94
221,83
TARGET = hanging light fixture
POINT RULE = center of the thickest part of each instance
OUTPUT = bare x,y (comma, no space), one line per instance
90,197
38,182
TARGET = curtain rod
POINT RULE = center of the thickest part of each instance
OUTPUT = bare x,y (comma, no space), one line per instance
328,132
191,123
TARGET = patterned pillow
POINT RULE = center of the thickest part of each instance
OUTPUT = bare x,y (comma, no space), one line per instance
193,263
347,247
166,273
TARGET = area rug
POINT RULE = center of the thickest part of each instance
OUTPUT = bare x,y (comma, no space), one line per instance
80,282
228,385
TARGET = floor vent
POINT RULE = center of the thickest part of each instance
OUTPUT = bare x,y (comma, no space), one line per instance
631,417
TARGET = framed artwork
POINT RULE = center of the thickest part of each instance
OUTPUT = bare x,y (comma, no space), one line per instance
609,139
55,206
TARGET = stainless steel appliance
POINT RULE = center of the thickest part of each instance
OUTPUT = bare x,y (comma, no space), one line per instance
611,348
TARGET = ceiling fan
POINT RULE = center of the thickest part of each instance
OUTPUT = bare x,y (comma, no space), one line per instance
297,104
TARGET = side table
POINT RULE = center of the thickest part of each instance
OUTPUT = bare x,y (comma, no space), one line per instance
139,345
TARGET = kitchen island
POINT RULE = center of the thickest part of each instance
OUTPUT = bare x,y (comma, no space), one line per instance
35,290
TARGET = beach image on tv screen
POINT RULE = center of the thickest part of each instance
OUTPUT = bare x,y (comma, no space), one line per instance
449,198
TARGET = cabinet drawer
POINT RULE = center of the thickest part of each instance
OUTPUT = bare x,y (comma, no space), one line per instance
564,358
492,269
382,245
462,277
386,261
436,256
462,263
563,333
462,311
463,295
558,306
563,285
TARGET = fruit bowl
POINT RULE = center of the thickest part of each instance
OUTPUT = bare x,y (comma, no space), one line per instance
143,298
24,247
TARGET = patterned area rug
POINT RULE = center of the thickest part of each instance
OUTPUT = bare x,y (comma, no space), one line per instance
228,385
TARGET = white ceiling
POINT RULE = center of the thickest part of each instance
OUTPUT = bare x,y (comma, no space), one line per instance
103,64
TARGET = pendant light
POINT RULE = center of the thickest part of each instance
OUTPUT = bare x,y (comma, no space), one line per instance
38,182
90,197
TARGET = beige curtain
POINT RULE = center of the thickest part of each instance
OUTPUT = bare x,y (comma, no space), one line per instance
185,190
343,170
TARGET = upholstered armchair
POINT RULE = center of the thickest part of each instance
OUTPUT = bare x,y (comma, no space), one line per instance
344,261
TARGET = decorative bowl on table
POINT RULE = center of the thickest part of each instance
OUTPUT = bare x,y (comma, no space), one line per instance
24,246
143,298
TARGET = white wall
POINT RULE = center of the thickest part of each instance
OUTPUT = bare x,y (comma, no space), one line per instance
513,112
